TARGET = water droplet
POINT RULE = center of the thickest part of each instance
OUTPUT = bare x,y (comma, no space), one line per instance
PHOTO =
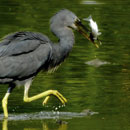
54,112
63,105
56,108
41,112
58,112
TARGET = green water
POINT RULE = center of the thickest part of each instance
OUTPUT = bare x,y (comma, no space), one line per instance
104,89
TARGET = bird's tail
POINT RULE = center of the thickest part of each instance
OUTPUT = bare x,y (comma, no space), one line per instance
88,19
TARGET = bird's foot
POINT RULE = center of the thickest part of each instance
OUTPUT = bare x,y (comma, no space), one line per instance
57,94
46,100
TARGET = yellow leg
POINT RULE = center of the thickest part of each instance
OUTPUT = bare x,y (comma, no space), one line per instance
5,124
46,93
4,104
43,94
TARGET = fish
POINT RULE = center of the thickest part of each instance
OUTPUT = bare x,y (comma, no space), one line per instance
94,29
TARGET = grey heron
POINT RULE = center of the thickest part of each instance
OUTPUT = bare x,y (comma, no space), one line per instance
24,54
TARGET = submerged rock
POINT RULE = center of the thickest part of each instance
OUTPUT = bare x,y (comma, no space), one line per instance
89,112
60,122
97,62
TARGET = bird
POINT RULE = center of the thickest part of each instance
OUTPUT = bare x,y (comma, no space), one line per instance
24,54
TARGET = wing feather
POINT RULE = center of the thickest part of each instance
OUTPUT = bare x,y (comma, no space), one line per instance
21,42
23,56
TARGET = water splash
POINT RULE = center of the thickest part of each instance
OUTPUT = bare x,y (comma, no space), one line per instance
48,115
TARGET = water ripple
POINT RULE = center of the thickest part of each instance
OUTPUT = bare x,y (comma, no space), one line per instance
91,2
48,115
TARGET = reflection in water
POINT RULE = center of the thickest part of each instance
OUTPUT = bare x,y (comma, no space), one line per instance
90,2
45,126
63,127
33,129
44,120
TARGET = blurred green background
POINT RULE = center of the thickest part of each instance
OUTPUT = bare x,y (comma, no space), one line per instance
104,89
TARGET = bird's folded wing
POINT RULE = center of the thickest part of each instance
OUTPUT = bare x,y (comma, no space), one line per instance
23,56
21,43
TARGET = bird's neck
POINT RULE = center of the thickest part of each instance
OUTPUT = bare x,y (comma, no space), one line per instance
64,46
66,39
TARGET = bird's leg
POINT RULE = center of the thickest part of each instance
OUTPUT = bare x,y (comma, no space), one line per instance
5,100
43,94
4,104
5,124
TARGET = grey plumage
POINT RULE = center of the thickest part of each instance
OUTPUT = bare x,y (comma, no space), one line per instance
24,54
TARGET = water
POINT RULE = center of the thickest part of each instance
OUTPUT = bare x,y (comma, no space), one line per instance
104,89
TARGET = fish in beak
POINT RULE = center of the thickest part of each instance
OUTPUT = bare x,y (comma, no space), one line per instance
85,32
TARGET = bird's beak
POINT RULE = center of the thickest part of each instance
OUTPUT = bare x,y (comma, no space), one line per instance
84,31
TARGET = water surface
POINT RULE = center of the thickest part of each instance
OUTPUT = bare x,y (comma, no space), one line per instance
104,89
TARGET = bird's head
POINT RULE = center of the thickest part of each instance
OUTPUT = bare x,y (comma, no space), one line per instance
66,18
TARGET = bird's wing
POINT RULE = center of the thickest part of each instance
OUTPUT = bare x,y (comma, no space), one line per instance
21,43
23,57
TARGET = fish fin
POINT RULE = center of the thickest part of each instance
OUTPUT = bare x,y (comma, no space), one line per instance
99,33
88,19
99,41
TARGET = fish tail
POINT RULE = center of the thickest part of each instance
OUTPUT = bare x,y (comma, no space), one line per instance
88,19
